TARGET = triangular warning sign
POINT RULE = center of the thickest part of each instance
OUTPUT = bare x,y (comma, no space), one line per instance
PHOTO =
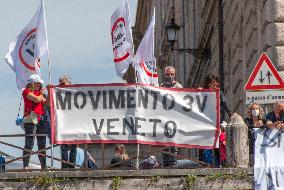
264,76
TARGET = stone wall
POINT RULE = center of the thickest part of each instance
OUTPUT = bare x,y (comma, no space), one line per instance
249,30
168,179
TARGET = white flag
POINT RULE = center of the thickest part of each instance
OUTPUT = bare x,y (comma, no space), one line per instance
145,62
122,41
29,45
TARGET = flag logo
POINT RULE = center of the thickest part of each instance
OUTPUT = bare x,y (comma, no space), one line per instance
118,33
147,66
26,50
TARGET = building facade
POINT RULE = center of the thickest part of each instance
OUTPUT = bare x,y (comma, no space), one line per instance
235,31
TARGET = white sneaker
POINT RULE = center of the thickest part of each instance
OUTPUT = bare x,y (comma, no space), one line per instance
26,168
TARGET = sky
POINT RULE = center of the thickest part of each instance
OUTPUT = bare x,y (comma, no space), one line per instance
79,45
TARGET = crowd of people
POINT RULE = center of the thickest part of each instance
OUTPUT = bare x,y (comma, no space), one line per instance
256,118
36,103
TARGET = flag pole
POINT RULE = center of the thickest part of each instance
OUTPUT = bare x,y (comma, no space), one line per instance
138,144
49,77
154,61
136,97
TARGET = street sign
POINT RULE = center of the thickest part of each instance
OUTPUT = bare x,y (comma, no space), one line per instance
264,86
264,76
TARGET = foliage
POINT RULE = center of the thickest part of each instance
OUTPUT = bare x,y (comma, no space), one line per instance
45,180
151,180
116,181
241,175
154,179
189,180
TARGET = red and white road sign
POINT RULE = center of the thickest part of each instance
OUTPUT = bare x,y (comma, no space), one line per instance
264,76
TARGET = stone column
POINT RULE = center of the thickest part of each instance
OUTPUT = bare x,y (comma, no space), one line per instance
237,149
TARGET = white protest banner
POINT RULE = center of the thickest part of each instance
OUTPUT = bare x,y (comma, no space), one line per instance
145,62
121,35
29,45
122,113
269,154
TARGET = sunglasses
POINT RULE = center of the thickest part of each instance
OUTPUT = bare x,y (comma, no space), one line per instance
170,74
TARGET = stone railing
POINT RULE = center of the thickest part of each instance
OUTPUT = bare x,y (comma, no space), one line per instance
195,179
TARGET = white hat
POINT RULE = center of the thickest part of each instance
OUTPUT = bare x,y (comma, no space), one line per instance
35,78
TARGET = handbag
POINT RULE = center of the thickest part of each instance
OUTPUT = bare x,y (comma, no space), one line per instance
31,118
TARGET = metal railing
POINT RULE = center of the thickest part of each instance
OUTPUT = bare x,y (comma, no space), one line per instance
152,150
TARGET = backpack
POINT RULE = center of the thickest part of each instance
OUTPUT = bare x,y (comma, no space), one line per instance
149,162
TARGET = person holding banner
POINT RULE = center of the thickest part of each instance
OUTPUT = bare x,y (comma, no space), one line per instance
212,82
275,118
169,76
254,119
63,81
33,96
170,82
169,160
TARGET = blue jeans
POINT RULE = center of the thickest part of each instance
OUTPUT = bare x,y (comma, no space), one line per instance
48,130
181,163
29,142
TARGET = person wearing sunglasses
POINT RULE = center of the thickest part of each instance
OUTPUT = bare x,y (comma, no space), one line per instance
34,99
169,82
169,78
